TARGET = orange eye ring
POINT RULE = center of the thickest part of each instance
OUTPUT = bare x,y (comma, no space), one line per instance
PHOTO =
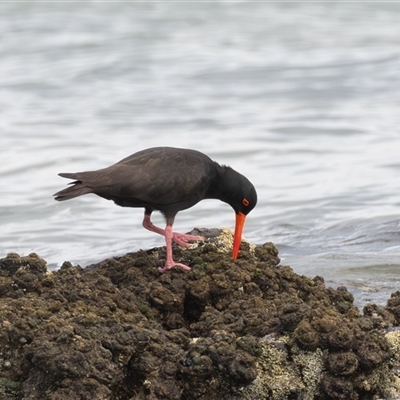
245,202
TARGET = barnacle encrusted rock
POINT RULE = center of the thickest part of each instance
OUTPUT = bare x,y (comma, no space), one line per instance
243,329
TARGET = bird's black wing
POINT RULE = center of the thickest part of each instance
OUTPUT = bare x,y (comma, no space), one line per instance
159,176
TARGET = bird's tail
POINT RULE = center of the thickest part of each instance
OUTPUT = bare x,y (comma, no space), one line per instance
77,188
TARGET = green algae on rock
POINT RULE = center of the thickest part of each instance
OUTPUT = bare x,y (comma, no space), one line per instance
244,329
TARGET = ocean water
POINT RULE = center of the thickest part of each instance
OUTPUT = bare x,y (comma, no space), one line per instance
303,99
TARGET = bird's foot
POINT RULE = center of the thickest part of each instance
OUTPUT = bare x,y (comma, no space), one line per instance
182,239
170,265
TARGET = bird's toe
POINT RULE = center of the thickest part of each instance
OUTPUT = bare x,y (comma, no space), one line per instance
169,266
183,239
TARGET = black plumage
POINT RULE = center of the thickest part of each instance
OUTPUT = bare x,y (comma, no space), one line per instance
169,180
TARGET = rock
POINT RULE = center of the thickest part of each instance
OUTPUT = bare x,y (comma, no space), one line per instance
243,329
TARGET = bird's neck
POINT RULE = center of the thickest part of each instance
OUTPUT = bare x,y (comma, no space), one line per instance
224,186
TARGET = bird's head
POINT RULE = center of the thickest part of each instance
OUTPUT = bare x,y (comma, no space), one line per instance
243,205
241,195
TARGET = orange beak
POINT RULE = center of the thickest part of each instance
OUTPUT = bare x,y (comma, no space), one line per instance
240,218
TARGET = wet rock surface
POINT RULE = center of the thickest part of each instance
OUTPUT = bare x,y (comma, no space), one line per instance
244,329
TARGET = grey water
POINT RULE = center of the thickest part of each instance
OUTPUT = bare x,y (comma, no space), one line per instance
302,98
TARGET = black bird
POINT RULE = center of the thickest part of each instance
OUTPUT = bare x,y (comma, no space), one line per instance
169,180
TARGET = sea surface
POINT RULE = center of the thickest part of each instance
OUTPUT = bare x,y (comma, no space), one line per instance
302,98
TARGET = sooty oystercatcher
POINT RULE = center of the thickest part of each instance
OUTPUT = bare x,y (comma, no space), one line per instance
169,180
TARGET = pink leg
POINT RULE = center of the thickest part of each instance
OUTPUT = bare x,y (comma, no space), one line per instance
149,225
179,238
170,263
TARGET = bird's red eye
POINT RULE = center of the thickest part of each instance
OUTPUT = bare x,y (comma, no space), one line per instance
245,202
